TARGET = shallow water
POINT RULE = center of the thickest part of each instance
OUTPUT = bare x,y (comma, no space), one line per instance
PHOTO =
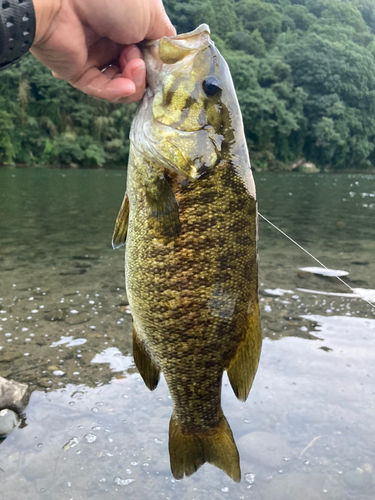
92,428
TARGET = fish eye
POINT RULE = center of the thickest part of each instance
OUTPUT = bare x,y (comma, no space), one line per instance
211,86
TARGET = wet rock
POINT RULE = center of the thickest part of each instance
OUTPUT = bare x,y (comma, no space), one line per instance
268,449
356,478
82,265
367,468
116,288
72,443
73,272
306,167
93,248
41,292
8,421
275,326
85,257
57,315
303,486
7,250
123,303
77,319
325,348
44,382
9,356
13,395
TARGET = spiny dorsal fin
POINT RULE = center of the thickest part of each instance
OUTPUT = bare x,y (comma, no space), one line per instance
121,226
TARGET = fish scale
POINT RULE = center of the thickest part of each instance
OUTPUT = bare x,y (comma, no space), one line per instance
178,315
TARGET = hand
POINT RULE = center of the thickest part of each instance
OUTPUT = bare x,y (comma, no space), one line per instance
90,43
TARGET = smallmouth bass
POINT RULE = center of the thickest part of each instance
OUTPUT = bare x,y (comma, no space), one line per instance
189,218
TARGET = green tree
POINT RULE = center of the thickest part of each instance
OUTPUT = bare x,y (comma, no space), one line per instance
7,153
343,13
227,20
250,43
259,15
339,79
207,14
303,70
302,18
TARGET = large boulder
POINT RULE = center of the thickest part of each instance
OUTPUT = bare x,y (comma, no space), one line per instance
13,395
304,166
8,421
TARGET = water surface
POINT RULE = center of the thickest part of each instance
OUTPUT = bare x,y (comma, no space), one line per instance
92,428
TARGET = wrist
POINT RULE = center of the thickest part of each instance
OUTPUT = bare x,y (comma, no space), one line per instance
45,13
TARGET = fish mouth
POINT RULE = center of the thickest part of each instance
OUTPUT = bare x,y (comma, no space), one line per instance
202,29
170,50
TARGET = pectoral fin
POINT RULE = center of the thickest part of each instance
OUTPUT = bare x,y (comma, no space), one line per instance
121,226
243,366
162,204
149,370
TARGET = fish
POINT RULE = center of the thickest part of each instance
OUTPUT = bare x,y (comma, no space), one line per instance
189,224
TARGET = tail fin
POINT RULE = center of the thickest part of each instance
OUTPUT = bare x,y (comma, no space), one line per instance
188,451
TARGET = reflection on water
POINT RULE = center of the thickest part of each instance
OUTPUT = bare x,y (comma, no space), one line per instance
117,362
92,428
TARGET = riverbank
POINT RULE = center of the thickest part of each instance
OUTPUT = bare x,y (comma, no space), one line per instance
369,171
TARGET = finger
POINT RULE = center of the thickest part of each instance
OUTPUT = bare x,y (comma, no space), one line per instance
110,84
135,70
126,83
97,84
100,55
133,67
102,84
129,53
160,24
128,21
112,71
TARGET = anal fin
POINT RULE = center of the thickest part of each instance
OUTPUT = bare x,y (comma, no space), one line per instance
121,226
148,369
242,368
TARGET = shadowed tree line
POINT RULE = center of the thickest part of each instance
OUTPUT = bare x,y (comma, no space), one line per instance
304,71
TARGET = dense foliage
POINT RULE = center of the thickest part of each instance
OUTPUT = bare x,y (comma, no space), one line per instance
304,71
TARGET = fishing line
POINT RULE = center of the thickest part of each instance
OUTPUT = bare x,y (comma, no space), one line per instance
317,260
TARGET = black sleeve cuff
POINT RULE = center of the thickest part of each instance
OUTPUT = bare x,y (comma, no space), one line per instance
17,30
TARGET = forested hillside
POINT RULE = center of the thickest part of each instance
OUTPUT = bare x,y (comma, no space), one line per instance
304,71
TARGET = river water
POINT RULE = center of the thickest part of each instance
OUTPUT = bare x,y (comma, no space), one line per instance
93,430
